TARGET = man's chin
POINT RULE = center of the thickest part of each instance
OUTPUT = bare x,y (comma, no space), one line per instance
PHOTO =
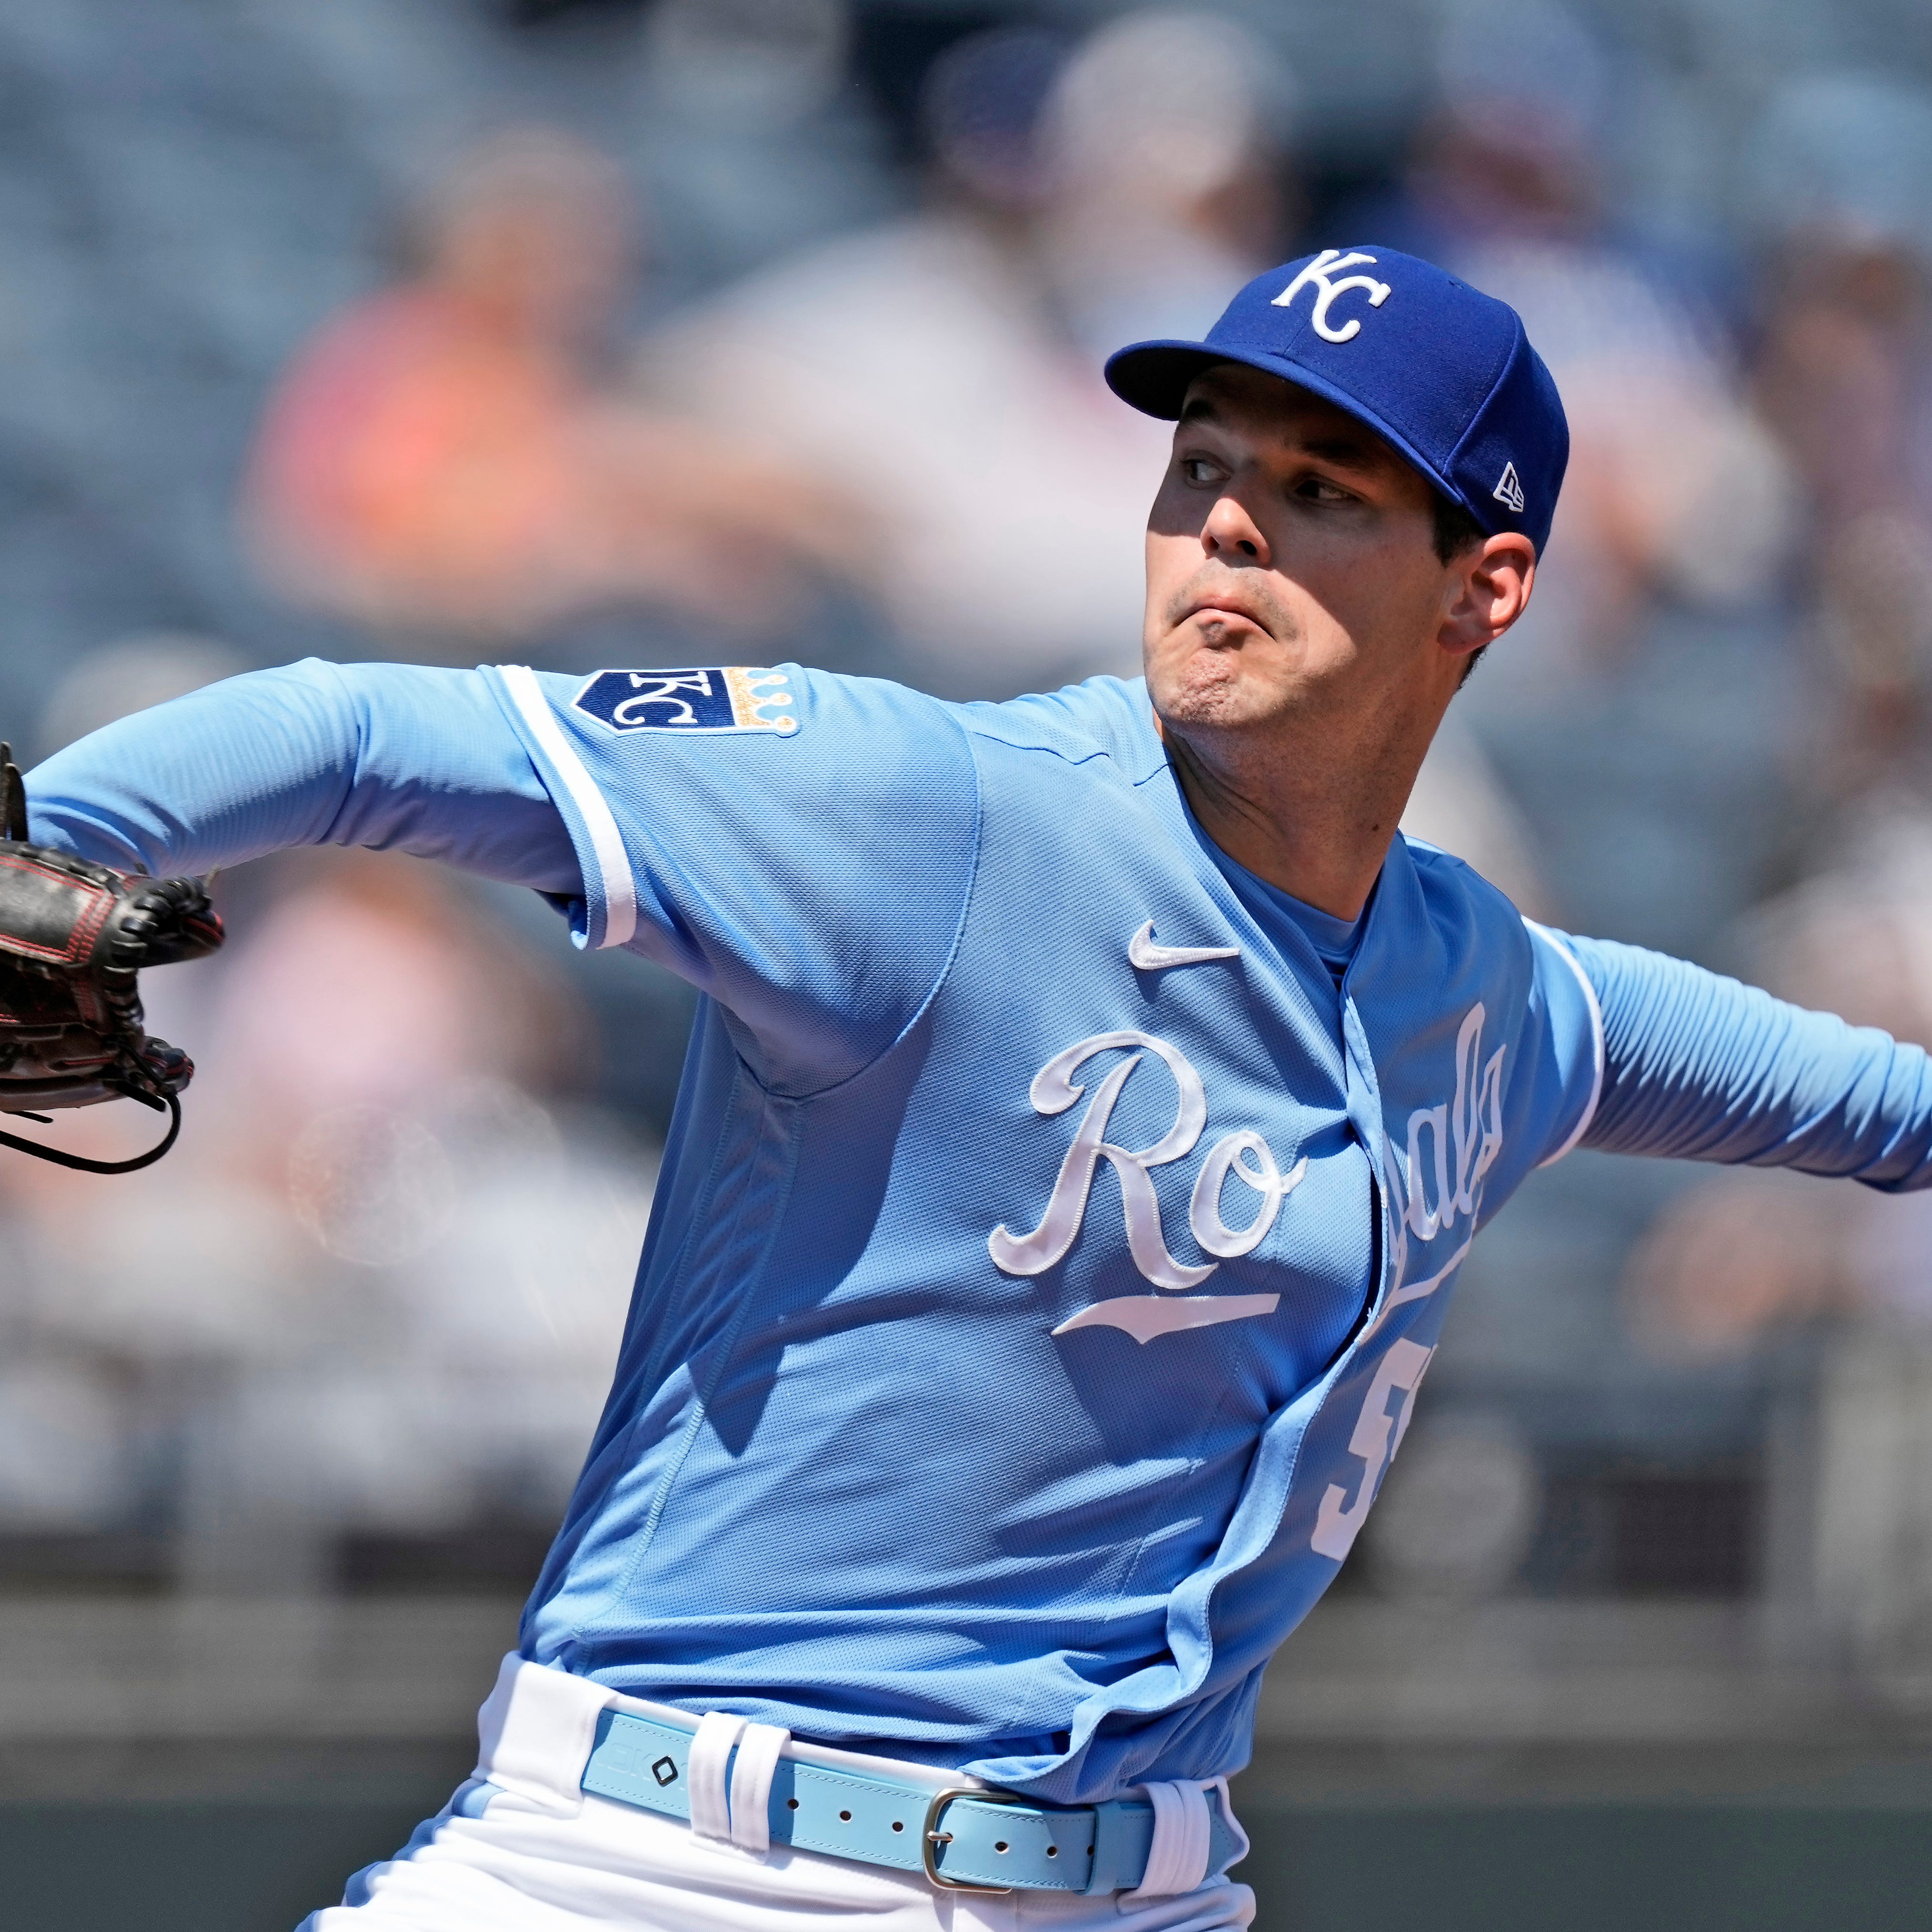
1206,701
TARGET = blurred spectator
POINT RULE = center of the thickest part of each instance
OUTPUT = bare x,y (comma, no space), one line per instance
1729,1260
945,370
1672,491
445,461
751,133
1460,804
1160,159
750,63
1741,1253
129,674
379,1283
1841,168
1743,1260
374,983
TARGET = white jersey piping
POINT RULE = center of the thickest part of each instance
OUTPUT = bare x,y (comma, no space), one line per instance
1569,959
607,843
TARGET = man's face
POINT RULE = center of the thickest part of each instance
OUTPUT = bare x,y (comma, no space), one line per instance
1291,559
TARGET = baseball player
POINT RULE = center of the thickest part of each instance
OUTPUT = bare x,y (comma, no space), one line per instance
1092,1101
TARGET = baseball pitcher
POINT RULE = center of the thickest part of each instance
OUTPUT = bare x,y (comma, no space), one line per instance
1092,1100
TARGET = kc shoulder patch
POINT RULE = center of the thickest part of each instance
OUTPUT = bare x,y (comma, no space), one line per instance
730,697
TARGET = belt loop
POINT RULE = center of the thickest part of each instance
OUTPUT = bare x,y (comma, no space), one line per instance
535,1732
718,1731
1232,1844
1177,1854
751,1774
1121,1829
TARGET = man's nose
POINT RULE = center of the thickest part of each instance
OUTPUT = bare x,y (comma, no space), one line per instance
1231,533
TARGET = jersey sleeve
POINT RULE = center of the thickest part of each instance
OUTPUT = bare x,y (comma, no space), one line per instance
1556,1074
1701,1068
798,845
392,757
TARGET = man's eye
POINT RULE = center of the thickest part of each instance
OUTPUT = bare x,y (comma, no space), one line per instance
1199,470
1319,490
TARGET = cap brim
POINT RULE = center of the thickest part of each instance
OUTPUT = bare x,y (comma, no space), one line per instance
1152,377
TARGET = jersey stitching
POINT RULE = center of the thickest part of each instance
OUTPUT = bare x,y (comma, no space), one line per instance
1570,960
650,1372
1253,1540
621,908
1092,1711
945,965
1220,889
359,730
701,1219
613,861
1196,1459
974,727
728,1342
1061,752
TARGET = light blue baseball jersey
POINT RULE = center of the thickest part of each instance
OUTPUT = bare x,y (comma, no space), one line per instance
1047,1251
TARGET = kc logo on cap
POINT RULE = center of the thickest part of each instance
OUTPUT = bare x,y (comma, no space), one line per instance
1316,275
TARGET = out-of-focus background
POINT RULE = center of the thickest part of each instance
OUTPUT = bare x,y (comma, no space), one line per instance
455,330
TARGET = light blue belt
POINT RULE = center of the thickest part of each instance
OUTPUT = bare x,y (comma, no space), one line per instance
965,1840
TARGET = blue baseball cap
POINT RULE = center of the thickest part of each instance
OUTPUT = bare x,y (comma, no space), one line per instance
1441,371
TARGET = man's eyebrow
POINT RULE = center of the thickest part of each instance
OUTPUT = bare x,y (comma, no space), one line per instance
1355,449
1359,452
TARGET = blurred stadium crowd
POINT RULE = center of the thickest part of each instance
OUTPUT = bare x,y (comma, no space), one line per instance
752,330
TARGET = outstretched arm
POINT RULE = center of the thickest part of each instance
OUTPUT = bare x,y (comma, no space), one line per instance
393,757
805,855
1703,1068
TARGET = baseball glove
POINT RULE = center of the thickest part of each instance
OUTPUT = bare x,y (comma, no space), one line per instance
74,938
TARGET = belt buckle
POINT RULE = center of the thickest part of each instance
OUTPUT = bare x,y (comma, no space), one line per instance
931,1836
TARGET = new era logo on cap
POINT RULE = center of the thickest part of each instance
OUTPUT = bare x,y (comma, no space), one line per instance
1442,372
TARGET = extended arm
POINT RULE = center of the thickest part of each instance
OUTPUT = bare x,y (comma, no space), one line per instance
394,757
810,877
1703,1068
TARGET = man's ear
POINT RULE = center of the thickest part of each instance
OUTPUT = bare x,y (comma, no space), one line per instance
1488,593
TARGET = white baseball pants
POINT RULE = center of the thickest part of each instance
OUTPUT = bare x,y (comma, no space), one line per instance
541,1856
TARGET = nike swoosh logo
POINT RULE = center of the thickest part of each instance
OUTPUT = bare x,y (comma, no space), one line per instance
1143,1317
1143,953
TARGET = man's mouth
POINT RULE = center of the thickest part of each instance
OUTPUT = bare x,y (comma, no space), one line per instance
1223,605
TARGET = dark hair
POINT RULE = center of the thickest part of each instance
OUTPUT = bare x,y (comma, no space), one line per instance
1455,531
